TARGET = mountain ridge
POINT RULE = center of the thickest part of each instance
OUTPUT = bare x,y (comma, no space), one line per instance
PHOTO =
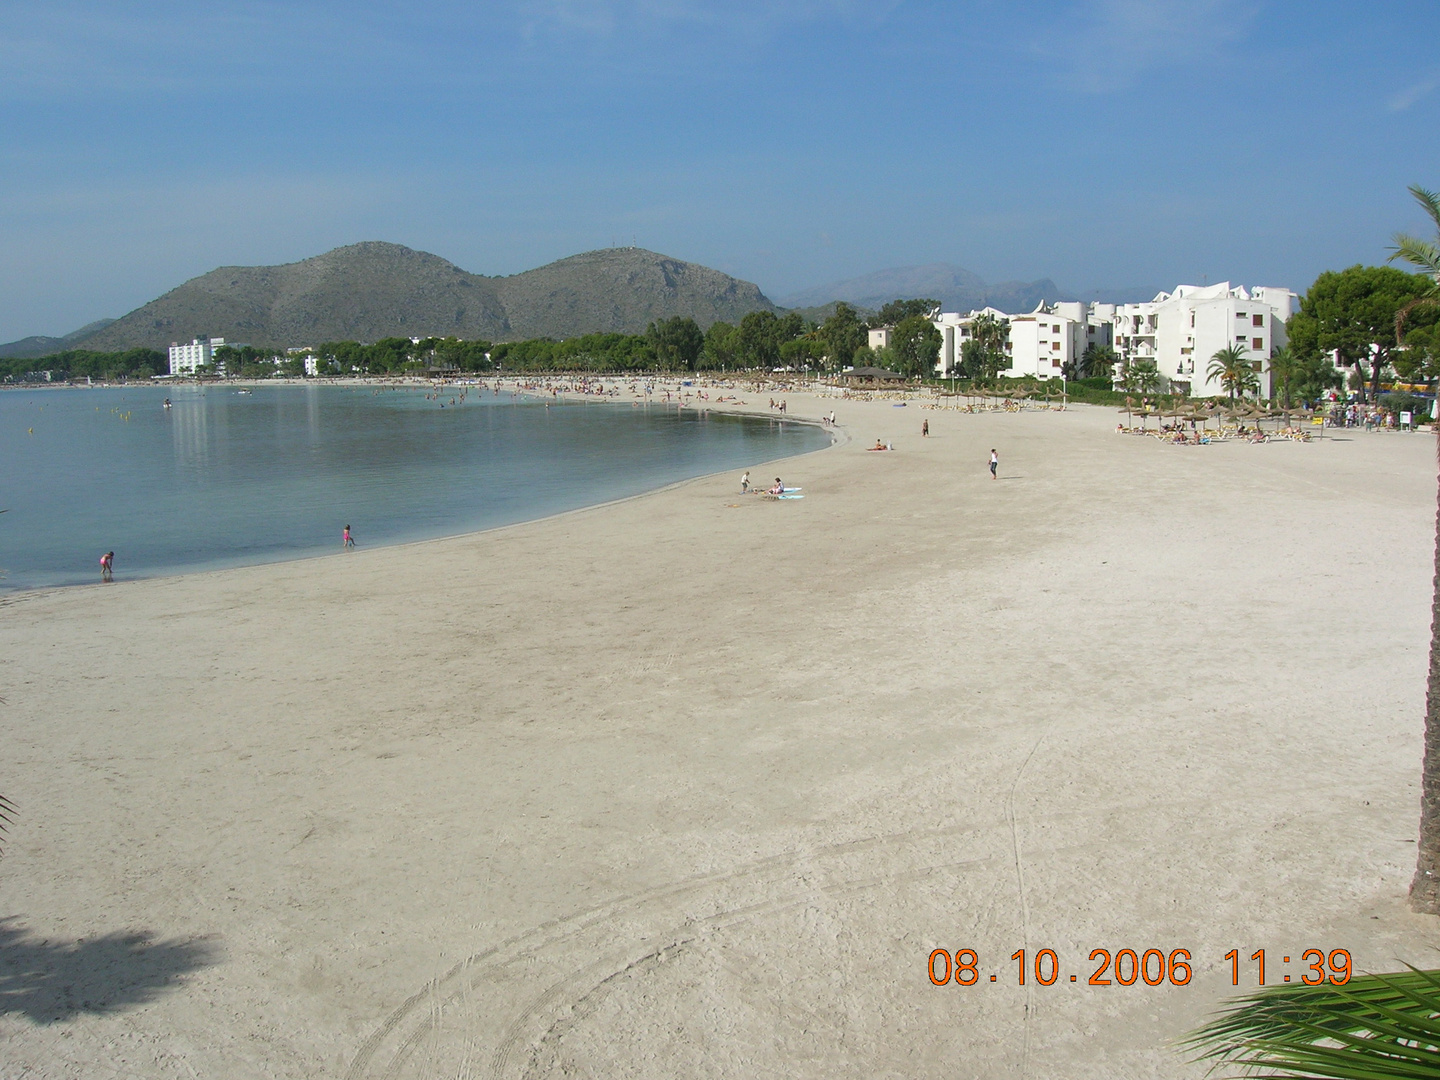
376,289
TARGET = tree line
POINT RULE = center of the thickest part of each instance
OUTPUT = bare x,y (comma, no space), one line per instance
83,363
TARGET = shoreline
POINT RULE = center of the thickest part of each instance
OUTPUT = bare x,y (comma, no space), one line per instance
838,438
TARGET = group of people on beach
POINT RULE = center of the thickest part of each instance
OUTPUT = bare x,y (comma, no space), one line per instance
777,490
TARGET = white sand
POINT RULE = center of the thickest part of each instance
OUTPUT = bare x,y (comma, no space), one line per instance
691,785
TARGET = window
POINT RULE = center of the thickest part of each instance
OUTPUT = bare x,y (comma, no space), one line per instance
1258,344
1240,339
1055,345
1192,320
1054,363
1255,365
1239,314
1259,320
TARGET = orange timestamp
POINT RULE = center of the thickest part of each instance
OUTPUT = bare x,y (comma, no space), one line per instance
1127,967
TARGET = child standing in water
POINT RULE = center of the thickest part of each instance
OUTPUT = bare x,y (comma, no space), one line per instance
346,540
107,566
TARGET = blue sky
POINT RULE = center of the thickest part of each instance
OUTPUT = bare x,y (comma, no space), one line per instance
790,142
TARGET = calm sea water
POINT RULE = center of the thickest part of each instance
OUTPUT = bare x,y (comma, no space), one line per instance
224,478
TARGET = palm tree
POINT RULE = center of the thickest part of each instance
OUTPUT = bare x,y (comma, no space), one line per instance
1142,377
1422,253
1098,360
1425,887
1234,370
1369,1027
1286,368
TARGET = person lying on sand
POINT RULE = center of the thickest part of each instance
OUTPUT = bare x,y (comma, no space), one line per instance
879,446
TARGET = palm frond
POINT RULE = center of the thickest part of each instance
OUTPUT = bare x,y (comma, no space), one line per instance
1420,303
1429,201
1375,1027
1417,252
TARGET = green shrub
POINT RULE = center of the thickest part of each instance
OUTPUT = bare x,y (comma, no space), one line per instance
1398,403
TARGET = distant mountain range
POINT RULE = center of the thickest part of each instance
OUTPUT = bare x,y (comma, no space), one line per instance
956,288
372,290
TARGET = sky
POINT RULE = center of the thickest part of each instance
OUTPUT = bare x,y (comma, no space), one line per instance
1103,144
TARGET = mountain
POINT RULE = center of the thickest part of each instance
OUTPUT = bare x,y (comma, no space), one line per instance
956,288
371,290
621,289
38,345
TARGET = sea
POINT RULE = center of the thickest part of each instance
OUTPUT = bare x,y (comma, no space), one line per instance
226,477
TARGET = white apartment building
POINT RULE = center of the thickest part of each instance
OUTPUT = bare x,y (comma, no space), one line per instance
954,332
1181,330
880,337
184,359
1043,343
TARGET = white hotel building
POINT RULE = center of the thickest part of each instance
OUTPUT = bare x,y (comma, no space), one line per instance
1043,343
1180,331
184,359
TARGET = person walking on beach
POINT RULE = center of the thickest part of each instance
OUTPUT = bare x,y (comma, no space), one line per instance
346,540
925,429
994,464
745,483
107,566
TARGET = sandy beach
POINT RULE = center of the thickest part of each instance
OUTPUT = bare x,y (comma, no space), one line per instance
691,785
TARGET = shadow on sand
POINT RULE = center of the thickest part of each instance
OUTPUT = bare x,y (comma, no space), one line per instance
51,981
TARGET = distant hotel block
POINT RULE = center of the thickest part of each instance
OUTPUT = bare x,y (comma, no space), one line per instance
1178,331
184,359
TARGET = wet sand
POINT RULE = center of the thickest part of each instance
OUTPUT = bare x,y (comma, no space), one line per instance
691,785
